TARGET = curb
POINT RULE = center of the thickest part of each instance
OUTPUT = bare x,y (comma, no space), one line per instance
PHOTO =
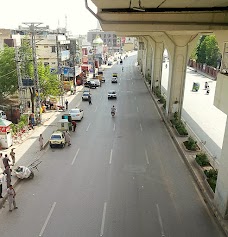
214,211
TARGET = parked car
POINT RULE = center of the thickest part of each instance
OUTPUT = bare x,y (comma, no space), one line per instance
57,139
76,114
114,80
2,115
112,94
85,95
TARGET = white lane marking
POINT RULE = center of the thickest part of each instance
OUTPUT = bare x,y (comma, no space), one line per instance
140,127
132,83
160,221
48,218
103,219
110,159
119,84
88,127
75,156
147,159
95,109
137,109
114,127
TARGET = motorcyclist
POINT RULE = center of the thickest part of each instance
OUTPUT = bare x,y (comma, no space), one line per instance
113,110
122,69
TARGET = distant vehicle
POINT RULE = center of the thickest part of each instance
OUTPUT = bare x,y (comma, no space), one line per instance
103,79
85,95
112,94
114,74
90,84
2,115
57,139
109,63
114,80
76,114
96,81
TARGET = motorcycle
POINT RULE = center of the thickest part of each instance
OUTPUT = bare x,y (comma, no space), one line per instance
23,172
113,113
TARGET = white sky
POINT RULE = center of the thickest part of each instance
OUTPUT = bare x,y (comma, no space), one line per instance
79,19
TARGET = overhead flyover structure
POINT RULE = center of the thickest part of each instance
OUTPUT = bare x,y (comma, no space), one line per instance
175,25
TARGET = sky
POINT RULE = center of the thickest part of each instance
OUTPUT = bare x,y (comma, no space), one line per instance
49,12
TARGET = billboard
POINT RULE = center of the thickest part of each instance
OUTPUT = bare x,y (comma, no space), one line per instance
65,55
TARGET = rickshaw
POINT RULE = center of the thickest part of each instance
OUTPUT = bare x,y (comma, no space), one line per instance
114,74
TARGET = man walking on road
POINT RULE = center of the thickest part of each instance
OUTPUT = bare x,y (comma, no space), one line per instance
66,103
41,141
89,99
7,171
11,198
6,161
12,154
74,125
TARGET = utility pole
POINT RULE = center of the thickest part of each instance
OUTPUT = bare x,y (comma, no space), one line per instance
59,69
20,85
33,29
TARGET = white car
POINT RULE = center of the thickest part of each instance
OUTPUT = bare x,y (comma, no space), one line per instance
96,81
112,94
85,95
76,114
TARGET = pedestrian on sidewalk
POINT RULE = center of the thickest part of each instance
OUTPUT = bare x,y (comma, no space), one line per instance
41,141
12,154
208,90
89,99
1,162
7,171
206,85
74,125
11,198
67,136
6,161
1,181
66,103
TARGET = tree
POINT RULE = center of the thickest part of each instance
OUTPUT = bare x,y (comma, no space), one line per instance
49,83
207,51
8,72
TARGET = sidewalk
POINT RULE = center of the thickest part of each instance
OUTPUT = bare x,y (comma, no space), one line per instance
28,150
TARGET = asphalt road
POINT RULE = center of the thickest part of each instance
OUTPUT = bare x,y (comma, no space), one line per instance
122,176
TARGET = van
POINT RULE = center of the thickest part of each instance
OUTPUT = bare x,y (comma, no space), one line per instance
2,114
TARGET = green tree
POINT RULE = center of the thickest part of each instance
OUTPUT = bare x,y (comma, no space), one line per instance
207,50
8,72
49,83
201,50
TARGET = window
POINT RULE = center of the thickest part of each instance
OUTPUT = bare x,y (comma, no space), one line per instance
53,49
46,64
104,36
53,63
45,46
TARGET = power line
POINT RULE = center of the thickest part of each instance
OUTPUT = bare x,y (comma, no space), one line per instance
8,73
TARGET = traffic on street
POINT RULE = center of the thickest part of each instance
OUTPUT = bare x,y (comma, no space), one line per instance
121,177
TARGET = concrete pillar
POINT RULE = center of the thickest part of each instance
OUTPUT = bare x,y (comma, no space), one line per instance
148,61
221,101
178,49
157,58
144,56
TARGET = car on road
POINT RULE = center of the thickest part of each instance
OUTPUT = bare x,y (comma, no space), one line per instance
85,95
109,63
103,79
96,81
76,114
114,80
112,94
90,84
57,139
